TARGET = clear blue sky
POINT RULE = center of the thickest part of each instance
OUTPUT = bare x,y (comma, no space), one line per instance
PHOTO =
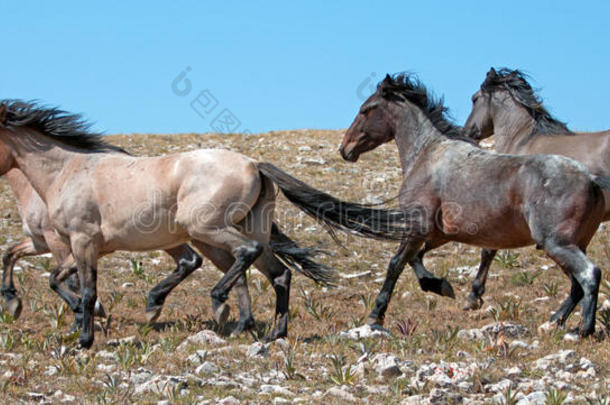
286,66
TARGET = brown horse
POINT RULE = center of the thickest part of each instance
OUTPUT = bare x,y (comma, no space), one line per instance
458,192
41,238
222,202
507,107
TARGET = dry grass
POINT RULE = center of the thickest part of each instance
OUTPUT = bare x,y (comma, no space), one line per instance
318,314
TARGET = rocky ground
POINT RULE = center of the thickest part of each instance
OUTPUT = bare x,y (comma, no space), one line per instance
431,351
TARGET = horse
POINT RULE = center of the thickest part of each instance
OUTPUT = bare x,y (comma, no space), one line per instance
100,200
41,238
507,107
456,191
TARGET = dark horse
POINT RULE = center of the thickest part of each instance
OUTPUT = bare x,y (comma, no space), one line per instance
100,200
507,107
456,191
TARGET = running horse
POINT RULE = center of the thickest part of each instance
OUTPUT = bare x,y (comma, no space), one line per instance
41,238
459,192
507,107
100,200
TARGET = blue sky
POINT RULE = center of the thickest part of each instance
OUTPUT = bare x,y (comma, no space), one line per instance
284,66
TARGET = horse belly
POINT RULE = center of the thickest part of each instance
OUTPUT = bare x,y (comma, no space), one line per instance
143,232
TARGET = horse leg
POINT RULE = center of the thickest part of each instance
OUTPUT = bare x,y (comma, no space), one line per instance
566,308
407,250
9,293
279,276
85,252
223,261
574,262
244,250
187,261
68,294
427,280
474,300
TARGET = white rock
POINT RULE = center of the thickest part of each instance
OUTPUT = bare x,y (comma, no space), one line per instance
571,337
364,331
127,285
386,365
160,384
280,400
341,393
533,398
546,327
500,386
198,357
356,275
204,337
206,368
276,389
229,401
123,341
507,329
258,349
514,371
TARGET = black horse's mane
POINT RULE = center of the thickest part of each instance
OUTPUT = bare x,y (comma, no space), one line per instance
407,86
69,129
515,82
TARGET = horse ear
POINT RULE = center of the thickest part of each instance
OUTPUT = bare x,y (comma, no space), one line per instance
2,114
388,78
492,73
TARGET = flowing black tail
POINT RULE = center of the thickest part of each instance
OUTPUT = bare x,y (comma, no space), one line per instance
298,258
358,219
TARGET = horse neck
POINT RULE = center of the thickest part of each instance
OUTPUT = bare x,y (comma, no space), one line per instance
20,186
414,133
39,158
512,126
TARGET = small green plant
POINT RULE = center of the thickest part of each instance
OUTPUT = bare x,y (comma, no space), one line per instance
554,397
136,267
56,314
510,397
144,330
367,301
508,310
508,259
406,327
524,278
551,288
290,370
445,340
315,308
341,374
5,317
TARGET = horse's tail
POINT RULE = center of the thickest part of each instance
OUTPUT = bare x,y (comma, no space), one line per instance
357,219
602,181
299,258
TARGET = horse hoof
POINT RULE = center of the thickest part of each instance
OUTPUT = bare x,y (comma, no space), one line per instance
98,310
221,314
152,315
85,342
447,289
14,307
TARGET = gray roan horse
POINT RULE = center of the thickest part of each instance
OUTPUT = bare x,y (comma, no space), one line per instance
507,107
458,192
41,238
101,199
